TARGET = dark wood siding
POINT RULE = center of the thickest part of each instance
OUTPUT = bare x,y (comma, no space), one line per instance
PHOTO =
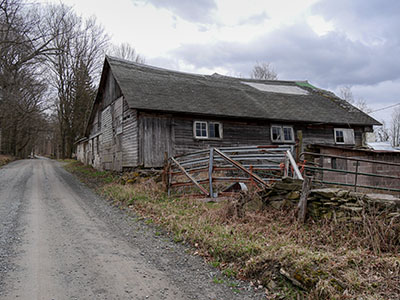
324,134
160,133
174,134
110,90
234,134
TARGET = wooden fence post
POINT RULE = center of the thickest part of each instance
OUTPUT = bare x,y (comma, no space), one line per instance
302,207
165,177
210,171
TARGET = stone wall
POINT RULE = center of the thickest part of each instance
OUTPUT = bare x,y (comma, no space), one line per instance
329,202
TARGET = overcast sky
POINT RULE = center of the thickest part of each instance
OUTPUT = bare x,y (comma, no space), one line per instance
330,43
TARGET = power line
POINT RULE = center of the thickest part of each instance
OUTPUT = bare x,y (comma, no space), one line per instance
386,107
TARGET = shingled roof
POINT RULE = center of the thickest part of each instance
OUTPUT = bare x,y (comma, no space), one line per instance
150,88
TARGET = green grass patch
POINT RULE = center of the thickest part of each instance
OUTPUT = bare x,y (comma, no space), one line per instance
88,174
217,280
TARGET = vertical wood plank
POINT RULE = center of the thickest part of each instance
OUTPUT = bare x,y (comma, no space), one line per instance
210,171
302,206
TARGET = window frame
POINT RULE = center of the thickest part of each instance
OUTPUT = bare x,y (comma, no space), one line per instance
220,130
346,133
282,134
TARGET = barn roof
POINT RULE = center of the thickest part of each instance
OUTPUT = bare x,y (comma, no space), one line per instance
150,88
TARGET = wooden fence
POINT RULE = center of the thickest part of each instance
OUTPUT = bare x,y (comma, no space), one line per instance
216,171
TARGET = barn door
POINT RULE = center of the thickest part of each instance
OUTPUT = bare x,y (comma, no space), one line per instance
156,138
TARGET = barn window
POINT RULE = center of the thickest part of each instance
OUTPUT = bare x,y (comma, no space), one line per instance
344,136
214,130
205,130
282,134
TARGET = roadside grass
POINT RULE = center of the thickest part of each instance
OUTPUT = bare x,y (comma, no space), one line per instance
87,174
318,260
5,159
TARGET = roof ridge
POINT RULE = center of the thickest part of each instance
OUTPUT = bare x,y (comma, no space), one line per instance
141,65
212,76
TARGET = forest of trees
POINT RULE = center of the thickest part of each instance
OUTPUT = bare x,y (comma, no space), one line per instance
50,62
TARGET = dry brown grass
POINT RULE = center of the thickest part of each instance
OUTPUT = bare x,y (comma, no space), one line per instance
5,159
328,259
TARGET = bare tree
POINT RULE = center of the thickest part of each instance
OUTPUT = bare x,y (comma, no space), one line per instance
264,71
382,133
24,44
73,69
394,131
126,51
347,94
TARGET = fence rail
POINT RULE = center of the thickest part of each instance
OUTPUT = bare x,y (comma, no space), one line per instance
209,171
352,172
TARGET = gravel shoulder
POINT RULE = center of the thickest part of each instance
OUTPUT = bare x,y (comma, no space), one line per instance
59,240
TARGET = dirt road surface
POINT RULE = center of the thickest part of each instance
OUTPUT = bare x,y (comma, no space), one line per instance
58,240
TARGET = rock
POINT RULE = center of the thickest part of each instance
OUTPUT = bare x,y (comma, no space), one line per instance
292,180
292,279
254,204
343,200
356,195
278,204
276,198
294,195
272,285
287,186
342,194
326,193
383,199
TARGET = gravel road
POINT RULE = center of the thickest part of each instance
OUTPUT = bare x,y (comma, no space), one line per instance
58,240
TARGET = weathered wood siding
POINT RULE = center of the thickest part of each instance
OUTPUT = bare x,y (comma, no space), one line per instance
81,151
111,129
174,134
324,134
156,137
106,127
234,134
94,152
130,147
160,133
111,90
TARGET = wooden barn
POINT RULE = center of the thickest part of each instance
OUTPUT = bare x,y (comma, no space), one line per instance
142,112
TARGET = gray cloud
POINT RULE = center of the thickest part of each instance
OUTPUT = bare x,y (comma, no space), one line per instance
362,51
199,11
254,19
372,18
297,52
